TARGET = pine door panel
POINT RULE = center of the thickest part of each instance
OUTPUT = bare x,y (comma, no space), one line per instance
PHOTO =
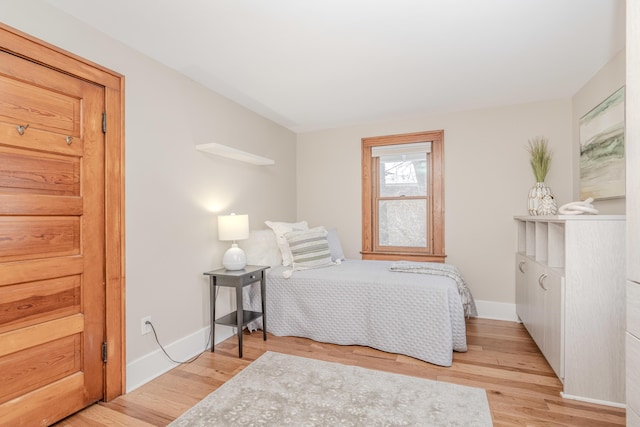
57,399
28,172
52,238
48,127
20,204
39,269
39,301
38,237
40,107
35,367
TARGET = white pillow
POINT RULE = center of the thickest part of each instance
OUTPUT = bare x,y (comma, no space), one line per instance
334,245
261,248
280,228
309,248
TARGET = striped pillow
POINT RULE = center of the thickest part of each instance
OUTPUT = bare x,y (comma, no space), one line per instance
309,248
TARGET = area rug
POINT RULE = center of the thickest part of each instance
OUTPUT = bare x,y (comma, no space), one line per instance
283,390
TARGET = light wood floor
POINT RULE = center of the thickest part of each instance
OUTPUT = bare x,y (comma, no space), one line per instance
521,387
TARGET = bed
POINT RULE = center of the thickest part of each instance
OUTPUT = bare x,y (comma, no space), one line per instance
360,302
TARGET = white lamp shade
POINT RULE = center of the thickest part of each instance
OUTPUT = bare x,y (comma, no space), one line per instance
233,227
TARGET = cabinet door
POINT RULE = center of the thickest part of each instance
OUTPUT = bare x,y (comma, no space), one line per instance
522,306
535,297
633,376
553,347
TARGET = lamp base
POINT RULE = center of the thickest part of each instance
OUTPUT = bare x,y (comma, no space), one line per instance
234,258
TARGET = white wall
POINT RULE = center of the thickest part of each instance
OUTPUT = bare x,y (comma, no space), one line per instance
484,153
487,178
172,190
606,81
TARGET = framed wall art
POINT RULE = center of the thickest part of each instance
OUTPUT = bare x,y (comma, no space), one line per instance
602,163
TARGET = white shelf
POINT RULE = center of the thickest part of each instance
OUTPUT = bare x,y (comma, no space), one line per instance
563,218
234,153
542,240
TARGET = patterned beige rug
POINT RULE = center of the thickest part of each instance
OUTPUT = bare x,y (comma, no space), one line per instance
283,390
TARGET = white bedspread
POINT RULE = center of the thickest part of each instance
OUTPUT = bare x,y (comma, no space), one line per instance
363,303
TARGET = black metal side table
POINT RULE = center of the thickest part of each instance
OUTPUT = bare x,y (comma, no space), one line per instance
238,279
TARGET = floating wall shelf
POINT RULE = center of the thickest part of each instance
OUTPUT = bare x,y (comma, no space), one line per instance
233,153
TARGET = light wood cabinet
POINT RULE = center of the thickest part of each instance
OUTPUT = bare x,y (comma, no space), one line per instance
632,153
570,287
632,138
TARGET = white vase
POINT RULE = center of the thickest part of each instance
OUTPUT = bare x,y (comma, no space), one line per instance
541,200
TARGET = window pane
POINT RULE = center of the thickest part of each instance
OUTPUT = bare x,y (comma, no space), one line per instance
402,223
404,175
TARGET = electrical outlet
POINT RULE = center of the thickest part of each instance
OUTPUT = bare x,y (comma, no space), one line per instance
144,327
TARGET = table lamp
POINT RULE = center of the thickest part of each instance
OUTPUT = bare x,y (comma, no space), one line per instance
233,227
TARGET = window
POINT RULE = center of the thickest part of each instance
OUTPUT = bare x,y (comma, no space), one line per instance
403,197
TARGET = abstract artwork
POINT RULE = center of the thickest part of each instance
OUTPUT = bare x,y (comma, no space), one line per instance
602,163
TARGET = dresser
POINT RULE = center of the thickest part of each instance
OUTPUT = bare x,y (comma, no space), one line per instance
570,295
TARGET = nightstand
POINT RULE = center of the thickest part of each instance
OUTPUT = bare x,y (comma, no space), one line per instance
237,279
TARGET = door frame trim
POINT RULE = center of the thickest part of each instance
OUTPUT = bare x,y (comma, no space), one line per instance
41,52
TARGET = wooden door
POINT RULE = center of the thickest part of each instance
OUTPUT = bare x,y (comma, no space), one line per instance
52,243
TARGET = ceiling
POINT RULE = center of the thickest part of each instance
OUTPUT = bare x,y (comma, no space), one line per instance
317,64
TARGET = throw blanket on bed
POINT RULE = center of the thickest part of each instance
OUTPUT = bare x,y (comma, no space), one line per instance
440,269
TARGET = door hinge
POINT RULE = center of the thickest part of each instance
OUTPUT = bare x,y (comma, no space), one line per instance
104,352
104,122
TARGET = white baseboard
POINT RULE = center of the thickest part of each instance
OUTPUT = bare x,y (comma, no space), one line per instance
156,363
497,310
596,401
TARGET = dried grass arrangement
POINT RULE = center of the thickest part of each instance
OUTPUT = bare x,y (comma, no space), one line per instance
540,157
